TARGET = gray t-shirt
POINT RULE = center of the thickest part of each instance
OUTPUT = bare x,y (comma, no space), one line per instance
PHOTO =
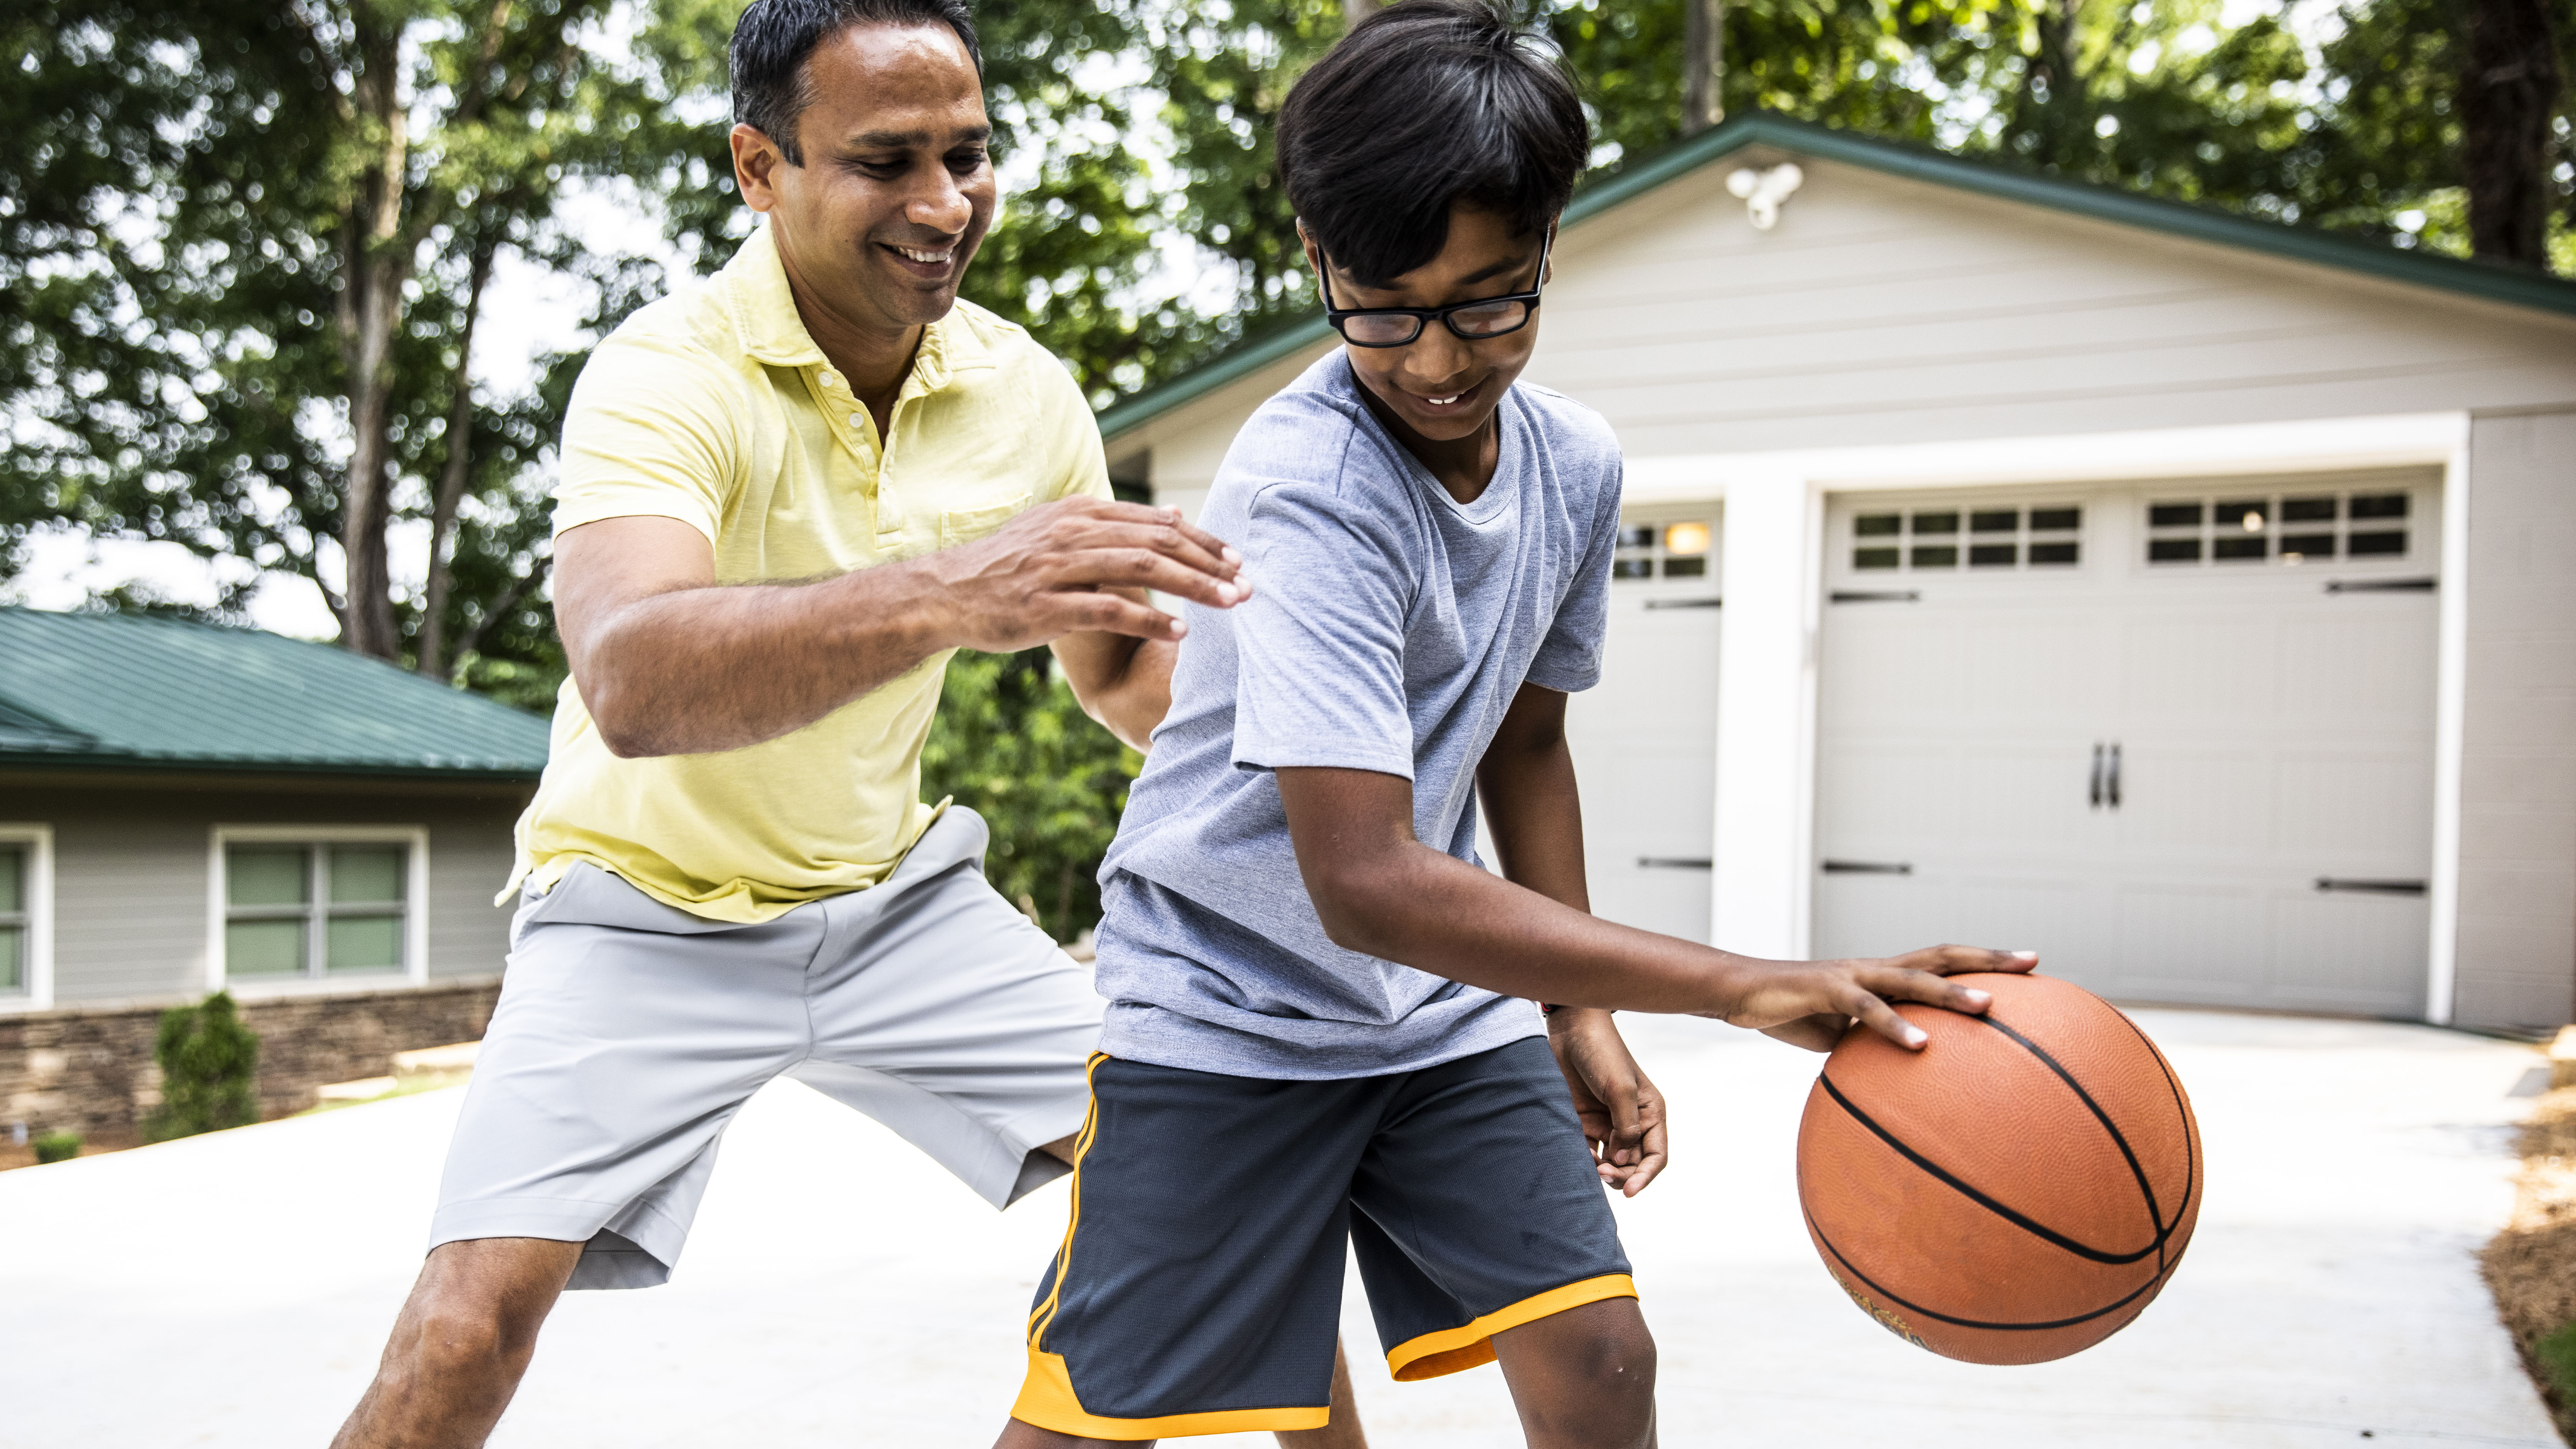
1389,629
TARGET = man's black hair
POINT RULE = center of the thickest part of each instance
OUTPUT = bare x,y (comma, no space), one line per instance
1425,104
773,38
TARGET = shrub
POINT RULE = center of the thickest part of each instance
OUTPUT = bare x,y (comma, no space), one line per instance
209,1066
58,1147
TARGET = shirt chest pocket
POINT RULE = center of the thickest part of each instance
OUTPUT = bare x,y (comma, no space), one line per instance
965,525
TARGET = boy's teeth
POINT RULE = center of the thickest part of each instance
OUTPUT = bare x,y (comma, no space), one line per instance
1442,402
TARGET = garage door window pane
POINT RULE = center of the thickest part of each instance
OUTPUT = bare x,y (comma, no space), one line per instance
363,943
2056,520
1876,525
2378,545
2239,548
1874,558
265,948
2379,505
1995,520
1945,522
2174,515
2173,550
1942,557
2309,510
2053,553
1993,555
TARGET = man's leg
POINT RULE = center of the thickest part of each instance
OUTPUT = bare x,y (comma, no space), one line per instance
1583,1378
461,1344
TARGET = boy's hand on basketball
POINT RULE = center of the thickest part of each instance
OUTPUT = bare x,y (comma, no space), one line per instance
1621,1111
1811,1003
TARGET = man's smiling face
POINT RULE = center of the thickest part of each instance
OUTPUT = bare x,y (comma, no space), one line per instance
896,190
1441,386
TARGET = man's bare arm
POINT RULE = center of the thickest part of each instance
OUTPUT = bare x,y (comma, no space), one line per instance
668,662
1382,892
1122,681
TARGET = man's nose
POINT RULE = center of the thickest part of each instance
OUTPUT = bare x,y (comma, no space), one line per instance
941,205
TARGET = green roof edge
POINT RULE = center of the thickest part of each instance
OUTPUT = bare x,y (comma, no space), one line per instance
1922,163
218,765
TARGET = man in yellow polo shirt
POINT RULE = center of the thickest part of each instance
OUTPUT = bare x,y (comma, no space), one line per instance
787,496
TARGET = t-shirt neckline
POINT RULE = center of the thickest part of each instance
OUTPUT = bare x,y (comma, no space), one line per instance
1487,506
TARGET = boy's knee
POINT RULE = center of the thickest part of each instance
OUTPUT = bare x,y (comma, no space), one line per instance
1616,1356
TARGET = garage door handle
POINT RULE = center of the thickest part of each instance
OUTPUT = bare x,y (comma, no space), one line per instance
1675,862
2114,791
1686,603
2381,586
2094,791
2371,887
1876,596
1869,867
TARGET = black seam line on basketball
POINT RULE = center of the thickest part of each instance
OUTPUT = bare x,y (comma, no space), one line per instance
2182,1113
2155,1211
1875,1287
2027,1225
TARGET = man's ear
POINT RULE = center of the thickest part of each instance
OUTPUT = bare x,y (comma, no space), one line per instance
756,160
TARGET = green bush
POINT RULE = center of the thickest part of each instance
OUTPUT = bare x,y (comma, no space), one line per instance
209,1070
58,1147
2557,1355
1011,744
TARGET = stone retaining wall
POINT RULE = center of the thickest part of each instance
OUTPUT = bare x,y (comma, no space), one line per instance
90,1070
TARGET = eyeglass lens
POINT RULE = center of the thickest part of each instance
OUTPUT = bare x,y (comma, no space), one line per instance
1489,319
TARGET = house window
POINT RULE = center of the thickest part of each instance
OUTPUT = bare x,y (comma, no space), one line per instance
16,956
1949,537
313,909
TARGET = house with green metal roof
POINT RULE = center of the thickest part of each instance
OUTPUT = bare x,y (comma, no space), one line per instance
2010,559
187,808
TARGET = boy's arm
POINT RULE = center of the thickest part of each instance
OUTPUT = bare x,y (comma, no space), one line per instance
1380,891
1526,781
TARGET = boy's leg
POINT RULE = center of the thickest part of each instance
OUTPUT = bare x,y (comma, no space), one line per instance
464,1338
1583,1378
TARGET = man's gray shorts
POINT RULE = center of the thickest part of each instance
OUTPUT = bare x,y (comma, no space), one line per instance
628,1034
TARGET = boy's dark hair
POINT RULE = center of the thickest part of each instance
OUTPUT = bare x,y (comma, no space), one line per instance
1425,104
773,38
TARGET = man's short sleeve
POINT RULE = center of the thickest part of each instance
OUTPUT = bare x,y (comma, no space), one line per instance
1320,644
1569,659
647,434
1079,468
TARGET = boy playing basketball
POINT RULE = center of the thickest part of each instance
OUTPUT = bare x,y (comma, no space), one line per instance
1320,1027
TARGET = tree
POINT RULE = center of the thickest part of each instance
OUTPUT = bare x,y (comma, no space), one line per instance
1011,744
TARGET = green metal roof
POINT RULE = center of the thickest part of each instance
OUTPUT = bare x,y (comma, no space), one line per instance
1921,163
138,692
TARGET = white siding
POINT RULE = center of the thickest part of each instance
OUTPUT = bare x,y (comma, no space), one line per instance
2517,934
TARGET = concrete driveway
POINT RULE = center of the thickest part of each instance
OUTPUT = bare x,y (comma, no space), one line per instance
233,1290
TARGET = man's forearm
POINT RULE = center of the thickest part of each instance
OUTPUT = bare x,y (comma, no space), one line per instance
697,670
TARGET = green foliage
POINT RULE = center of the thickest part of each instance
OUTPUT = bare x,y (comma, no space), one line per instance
209,1071
57,1147
1011,744
2557,1357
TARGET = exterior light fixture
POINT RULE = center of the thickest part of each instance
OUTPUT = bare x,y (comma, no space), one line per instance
1764,190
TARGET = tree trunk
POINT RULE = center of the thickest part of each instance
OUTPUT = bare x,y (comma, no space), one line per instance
374,269
1703,65
428,653
2062,112
2508,92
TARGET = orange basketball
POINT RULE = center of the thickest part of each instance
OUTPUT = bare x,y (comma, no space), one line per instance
2018,1190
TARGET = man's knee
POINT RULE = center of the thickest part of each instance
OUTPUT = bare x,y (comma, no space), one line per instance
480,1303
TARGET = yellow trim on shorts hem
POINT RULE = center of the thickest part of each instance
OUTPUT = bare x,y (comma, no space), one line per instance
1455,1350
1047,1400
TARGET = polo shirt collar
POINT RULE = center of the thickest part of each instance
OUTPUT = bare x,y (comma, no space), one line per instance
773,333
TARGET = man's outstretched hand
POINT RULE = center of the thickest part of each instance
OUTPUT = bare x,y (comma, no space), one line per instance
1812,1003
1081,565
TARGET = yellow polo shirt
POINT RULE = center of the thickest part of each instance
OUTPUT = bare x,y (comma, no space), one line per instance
714,407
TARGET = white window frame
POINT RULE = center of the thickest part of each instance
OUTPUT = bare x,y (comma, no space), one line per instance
415,970
39,960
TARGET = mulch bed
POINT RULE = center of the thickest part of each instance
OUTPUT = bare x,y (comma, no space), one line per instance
2531,1265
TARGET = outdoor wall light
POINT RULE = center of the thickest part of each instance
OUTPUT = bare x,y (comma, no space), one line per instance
1764,190
1686,538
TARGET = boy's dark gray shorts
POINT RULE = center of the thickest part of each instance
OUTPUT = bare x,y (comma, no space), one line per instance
1199,1287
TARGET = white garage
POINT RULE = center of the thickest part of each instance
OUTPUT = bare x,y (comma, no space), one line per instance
2009,560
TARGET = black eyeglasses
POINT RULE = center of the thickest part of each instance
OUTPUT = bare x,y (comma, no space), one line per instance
1399,326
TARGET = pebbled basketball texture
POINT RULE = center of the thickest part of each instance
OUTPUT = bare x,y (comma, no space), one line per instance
2017,1191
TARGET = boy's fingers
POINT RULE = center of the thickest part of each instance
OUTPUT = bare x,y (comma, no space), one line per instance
1905,983
1961,960
1880,1017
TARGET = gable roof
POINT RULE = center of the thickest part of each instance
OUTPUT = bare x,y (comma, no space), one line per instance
140,692
1921,163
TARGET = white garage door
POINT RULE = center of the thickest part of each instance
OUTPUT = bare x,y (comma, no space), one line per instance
2176,737
1644,739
